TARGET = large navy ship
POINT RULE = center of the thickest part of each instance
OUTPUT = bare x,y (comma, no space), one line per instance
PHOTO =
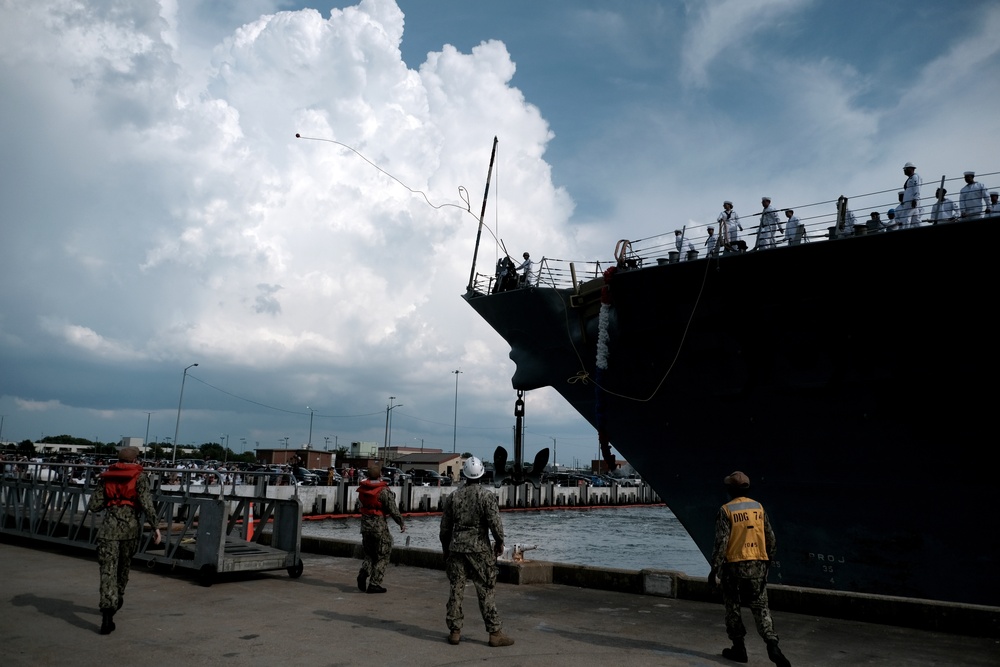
852,378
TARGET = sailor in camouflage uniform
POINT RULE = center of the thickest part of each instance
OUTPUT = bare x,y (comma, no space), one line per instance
470,514
744,548
377,502
122,494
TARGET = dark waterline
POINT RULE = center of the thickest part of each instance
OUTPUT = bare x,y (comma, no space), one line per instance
631,538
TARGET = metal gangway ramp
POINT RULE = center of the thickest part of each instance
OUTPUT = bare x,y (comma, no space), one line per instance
205,527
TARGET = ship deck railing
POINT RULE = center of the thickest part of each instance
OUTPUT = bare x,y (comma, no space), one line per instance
822,222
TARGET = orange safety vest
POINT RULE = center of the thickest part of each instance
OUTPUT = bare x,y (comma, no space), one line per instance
119,484
368,494
746,530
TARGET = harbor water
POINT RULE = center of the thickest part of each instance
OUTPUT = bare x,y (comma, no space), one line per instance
631,538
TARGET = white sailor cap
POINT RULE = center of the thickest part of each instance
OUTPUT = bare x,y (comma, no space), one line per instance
765,197
969,173
994,192
727,202
909,165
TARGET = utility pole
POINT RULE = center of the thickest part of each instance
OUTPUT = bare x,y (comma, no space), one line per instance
454,433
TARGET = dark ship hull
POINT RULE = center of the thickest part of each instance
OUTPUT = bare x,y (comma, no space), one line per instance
852,380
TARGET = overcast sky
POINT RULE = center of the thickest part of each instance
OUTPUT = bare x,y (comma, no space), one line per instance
158,211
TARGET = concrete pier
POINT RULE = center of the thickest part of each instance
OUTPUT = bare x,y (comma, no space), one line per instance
48,616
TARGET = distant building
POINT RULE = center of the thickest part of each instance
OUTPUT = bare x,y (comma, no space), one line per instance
445,463
60,448
363,450
309,458
395,452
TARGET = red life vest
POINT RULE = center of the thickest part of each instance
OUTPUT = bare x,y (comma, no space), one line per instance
119,484
368,494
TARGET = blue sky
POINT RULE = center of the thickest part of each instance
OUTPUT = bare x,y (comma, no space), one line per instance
158,211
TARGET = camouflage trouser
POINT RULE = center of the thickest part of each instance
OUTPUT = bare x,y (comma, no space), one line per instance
377,545
482,569
753,593
115,557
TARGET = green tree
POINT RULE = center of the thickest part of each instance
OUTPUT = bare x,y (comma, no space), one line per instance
212,450
65,439
26,448
340,456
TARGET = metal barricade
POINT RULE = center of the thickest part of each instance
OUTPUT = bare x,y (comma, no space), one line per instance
205,527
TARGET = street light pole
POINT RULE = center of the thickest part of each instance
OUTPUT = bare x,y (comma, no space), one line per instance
454,432
388,427
311,411
145,442
180,402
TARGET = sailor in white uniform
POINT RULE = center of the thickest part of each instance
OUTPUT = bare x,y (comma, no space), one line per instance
944,209
711,243
769,223
908,214
684,246
527,271
973,197
729,226
795,231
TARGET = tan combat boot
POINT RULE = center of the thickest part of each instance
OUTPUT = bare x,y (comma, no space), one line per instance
455,637
498,638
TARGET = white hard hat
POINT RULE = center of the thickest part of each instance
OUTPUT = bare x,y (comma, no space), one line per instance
473,468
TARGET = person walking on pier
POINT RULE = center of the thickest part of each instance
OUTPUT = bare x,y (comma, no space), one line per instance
377,502
744,548
470,514
122,493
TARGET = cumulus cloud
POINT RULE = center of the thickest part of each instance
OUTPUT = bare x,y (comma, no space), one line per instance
191,222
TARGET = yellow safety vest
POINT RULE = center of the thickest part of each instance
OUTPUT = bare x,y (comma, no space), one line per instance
746,530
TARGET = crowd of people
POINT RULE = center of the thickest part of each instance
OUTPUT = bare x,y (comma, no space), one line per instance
975,201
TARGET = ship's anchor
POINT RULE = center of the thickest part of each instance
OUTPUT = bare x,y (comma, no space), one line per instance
518,472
